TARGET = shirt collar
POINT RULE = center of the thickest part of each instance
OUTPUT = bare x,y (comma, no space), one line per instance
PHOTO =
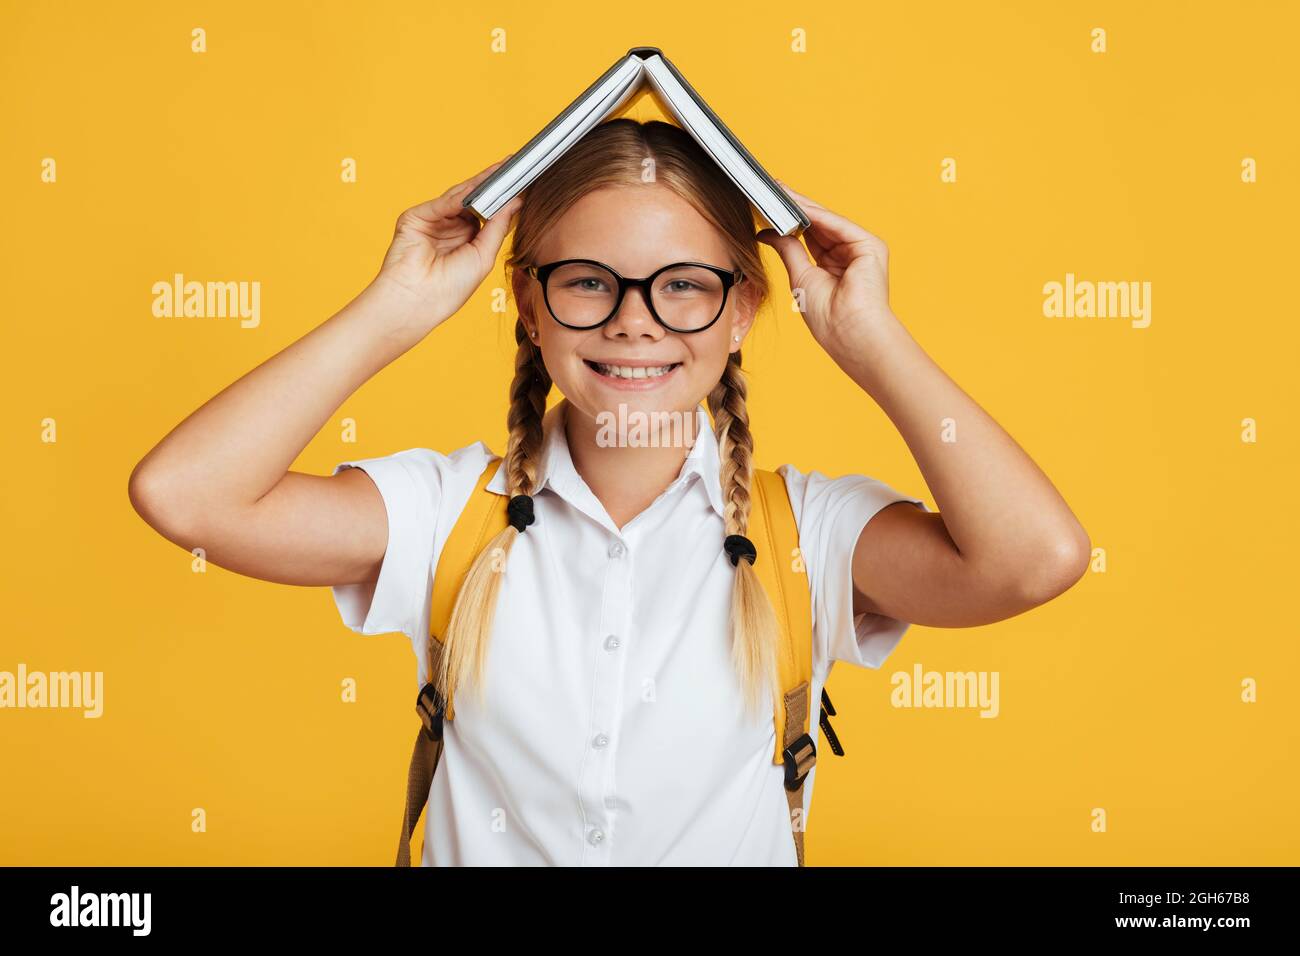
555,468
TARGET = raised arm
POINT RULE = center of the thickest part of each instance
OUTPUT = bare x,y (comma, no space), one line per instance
220,479
1004,540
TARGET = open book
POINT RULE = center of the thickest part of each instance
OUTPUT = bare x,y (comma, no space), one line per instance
642,66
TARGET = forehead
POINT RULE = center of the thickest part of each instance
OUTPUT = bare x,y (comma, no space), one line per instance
635,228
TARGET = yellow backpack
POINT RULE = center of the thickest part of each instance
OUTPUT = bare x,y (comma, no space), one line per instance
780,567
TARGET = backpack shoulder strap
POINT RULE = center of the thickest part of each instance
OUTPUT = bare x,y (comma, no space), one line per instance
482,517
781,570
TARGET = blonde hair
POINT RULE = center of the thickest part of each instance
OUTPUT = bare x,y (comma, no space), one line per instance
614,153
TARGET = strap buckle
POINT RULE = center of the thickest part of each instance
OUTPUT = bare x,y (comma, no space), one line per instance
431,706
828,711
800,757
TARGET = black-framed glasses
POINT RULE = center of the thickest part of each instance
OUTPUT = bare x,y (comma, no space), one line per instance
682,296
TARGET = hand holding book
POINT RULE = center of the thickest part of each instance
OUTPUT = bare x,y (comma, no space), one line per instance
440,254
842,289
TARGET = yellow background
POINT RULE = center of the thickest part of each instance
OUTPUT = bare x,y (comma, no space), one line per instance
222,692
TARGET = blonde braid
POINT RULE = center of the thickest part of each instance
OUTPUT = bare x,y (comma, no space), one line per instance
528,393
466,640
753,624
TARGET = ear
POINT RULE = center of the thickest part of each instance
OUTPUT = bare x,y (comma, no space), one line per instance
745,312
522,287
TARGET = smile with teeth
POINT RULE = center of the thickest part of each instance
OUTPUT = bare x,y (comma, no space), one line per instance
633,371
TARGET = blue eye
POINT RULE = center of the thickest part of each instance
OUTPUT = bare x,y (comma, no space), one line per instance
677,286
578,284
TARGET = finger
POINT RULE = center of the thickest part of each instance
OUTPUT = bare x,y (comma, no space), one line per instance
818,215
800,200
799,197
449,203
792,253
446,206
460,190
493,233
832,225
475,180
815,245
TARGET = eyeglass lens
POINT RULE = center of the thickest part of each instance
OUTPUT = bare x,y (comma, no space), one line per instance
685,297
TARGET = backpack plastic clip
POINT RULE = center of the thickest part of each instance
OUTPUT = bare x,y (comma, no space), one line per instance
431,706
800,757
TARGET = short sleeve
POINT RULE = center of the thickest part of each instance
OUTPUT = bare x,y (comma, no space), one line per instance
830,514
424,492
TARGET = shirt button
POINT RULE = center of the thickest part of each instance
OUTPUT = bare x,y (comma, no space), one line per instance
616,550
612,642
595,836
599,740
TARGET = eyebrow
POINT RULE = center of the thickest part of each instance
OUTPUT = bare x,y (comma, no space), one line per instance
666,262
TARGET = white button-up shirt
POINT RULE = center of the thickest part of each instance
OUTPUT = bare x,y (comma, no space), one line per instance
612,730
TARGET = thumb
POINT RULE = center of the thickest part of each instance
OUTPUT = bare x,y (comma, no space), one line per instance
790,249
493,232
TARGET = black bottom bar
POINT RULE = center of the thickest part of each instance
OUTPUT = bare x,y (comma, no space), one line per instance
306,904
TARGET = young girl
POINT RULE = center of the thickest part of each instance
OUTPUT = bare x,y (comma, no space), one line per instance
604,684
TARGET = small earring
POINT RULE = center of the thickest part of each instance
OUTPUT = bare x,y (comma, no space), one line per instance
735,338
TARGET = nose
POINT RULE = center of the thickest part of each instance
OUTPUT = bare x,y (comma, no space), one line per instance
633,317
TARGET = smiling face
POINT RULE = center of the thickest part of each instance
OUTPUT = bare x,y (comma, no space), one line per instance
636,230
